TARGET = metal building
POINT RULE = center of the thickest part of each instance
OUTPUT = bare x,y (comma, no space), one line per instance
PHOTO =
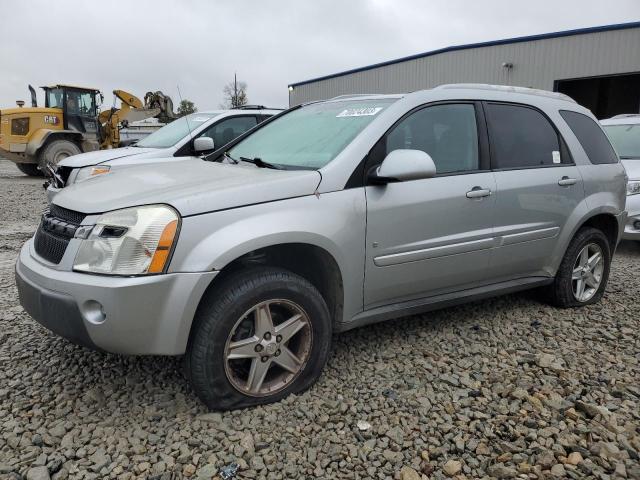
599,67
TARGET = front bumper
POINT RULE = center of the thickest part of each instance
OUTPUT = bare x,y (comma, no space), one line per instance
633,216
146,315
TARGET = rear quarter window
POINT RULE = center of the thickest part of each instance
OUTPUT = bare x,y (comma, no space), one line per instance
593,140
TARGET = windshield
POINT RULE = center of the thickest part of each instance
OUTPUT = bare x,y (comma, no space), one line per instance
625,139
54,97
175,131
311,136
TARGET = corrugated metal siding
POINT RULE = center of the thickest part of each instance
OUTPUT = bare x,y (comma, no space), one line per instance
536,64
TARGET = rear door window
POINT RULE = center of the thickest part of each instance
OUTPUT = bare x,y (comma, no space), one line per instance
591,137
521,137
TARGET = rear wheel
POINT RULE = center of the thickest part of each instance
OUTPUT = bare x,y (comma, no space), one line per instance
30,169
261,335
55,151
584,271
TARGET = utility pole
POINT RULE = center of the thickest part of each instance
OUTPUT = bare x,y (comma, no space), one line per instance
234,103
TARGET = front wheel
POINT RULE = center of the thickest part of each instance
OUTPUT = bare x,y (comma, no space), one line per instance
262,334
584,271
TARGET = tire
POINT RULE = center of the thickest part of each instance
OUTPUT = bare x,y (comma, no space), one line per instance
561,292
56,150
219,325
30,169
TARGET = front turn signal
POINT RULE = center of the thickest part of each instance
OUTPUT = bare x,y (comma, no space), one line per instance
161,255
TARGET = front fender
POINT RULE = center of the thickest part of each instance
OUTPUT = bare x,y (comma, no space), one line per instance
333,221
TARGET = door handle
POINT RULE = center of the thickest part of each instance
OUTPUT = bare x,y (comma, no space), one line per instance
478,192
566,181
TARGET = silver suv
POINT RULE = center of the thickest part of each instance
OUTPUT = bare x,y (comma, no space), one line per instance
330,216
624,133
195,134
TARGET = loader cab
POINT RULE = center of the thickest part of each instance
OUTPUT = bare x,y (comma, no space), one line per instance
79,107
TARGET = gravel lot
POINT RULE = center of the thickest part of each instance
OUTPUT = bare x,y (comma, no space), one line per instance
502,388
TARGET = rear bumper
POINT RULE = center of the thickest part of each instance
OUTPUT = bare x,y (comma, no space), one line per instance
146,315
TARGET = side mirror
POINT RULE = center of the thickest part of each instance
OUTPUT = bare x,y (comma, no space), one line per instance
402,166
203,144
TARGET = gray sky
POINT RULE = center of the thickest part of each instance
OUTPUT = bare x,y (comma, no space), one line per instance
155,45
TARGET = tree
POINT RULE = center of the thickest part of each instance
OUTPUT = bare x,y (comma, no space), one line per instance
186,107
235,94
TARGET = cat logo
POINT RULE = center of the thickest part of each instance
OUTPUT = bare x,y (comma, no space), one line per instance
52,119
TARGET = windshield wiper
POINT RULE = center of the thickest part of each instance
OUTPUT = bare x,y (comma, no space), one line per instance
226,155
626,157
258,162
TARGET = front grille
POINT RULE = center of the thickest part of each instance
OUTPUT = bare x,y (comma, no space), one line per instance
56,229
50,247
67,215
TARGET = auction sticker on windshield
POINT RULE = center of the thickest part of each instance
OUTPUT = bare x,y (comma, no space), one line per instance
359,112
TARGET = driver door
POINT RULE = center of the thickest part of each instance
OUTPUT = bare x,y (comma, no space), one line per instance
435,235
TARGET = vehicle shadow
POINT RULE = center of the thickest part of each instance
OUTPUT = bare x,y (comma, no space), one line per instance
628,247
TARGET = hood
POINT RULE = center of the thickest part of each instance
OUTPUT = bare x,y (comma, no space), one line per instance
100,156
632,168
191,186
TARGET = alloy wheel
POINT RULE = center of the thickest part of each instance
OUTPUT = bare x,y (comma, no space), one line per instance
268,347
587,272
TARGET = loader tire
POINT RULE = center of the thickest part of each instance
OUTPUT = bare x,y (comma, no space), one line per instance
55,151
30,169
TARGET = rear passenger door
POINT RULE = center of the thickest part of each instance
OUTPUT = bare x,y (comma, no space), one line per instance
538,187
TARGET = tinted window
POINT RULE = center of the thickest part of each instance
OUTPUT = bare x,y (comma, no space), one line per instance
448,133
227,130
591,137
521,137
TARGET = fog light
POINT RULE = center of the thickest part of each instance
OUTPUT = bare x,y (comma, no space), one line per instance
636,225
93,312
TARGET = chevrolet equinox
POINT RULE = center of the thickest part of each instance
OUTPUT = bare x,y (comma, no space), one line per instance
329,216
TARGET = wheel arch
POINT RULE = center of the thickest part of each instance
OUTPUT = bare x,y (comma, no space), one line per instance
608,224
45,136
605,218
308,260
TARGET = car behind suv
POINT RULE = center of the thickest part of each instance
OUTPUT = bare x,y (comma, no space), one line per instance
624,133
175,140
331,216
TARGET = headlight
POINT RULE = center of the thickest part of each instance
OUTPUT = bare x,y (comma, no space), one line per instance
88,172
633,187
132,241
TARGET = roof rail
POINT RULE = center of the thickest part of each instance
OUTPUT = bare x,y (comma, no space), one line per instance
355,95
507,88
255,107
626,115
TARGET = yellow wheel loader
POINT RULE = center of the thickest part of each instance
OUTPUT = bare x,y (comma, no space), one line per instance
37,138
